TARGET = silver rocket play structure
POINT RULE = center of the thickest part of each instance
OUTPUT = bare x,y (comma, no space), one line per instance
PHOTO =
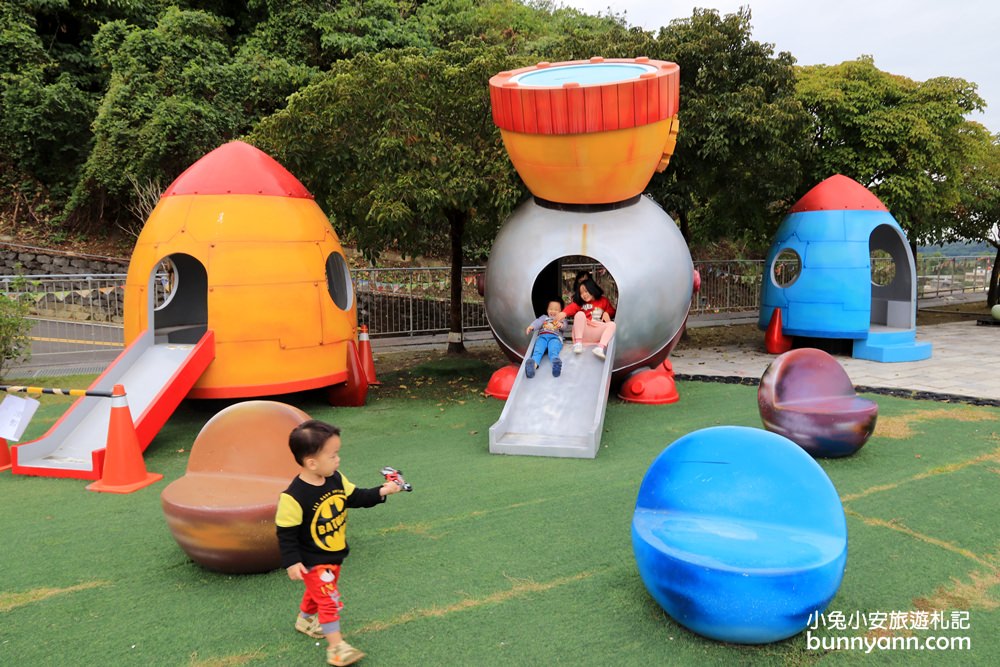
586,137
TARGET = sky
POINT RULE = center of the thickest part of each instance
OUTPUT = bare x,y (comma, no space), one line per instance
919,39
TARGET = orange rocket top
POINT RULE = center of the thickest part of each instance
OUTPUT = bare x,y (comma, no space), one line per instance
588,131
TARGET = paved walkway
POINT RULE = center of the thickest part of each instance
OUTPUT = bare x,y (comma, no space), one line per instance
965,362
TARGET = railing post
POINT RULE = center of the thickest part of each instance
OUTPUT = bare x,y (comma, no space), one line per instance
409,303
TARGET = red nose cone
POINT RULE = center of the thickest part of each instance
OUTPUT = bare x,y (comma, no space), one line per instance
838,193
237,168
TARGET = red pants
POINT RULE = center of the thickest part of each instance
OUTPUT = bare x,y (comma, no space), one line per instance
321,594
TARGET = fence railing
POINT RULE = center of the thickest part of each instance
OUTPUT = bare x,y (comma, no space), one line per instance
728,286
71,312
415,301
942,276
412,301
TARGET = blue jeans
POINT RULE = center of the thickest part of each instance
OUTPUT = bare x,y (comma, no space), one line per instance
546,342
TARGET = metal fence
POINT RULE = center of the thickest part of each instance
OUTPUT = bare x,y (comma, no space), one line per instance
734,286
416,301
70,310
728,286
942,276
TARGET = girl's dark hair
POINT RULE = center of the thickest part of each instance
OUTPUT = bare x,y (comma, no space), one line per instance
592,287
308,438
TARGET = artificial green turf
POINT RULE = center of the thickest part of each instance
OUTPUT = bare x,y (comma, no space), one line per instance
492,559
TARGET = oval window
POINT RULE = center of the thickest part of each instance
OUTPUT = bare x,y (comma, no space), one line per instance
165,279
883,268
338,281
786,268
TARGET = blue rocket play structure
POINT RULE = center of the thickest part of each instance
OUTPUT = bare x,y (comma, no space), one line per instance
831,234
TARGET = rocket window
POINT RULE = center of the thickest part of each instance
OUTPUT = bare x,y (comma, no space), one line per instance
338,281
883,268
786,268
165,283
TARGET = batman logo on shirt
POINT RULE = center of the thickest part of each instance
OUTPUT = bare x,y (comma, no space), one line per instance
328,524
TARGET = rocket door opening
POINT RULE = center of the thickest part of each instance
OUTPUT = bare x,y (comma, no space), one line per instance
178,289
558,281
893,280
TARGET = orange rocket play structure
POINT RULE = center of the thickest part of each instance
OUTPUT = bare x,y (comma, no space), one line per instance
247,253
238,287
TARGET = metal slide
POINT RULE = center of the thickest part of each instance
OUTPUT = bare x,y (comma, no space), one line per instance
563,416
156,377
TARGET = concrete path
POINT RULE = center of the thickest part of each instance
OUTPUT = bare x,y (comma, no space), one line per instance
965,362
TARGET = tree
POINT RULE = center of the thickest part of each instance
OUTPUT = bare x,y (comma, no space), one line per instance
977,215
542,29
369,26
400,148
45,108
737,164
900,138
176,92
15,327
50,88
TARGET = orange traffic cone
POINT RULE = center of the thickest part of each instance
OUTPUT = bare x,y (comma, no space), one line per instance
775,341
354,391
5,462
367,359
124,469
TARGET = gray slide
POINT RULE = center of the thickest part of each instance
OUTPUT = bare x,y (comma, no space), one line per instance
156,377
563,416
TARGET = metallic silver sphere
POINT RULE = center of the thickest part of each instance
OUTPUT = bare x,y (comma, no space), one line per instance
639,245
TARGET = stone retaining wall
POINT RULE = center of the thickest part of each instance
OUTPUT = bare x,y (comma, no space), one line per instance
25,260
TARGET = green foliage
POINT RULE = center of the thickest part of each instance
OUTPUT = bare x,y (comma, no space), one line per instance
742,132
98,94
50,89
45,109
44,126
537,28
369,26
576,36
401,149
394,144
176,92
901,138
21,47
286,30
15,343
977,215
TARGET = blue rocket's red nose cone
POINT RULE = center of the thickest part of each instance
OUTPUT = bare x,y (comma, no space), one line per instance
838,193
237,168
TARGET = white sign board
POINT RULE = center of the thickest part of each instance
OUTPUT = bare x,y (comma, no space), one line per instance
15,414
